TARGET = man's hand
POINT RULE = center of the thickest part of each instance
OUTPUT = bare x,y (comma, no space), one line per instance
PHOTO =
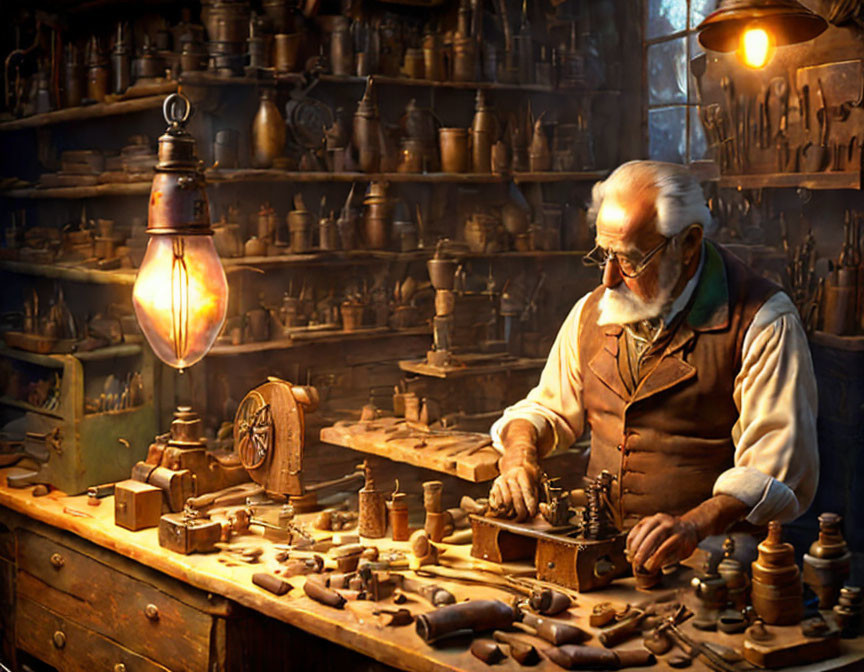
515,490
660,540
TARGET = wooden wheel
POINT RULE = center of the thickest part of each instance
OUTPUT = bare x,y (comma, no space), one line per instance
254,426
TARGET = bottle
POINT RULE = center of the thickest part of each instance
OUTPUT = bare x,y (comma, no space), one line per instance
268,131
372,520
827,564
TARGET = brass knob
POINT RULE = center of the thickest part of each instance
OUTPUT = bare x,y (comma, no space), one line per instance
119,667
151,611
59,639
57,560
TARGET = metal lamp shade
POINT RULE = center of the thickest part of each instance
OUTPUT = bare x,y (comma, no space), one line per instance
788,22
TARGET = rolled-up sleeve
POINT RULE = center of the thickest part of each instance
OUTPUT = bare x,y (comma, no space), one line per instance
556,401
776,465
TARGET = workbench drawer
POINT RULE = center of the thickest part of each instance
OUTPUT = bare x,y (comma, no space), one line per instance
67,646
113,604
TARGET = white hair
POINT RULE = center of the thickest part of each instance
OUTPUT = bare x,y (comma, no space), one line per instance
679,203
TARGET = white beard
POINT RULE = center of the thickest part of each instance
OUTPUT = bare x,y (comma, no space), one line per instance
621,306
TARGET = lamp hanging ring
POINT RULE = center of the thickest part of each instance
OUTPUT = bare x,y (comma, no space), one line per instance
176,109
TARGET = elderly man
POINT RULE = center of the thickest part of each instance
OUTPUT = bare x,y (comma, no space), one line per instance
692,372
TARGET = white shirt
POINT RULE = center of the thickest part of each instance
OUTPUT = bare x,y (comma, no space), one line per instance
776,461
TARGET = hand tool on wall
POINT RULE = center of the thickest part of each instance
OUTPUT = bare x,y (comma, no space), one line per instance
732,113
816,157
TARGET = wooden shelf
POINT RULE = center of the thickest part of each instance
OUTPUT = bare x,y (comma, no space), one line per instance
95,111
72,273
245,176
270,175
269,77
30,408
94,191
312,337
55,361
827,180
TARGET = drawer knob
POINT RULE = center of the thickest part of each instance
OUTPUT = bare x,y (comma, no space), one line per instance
57,560
151,611
59,639
119,667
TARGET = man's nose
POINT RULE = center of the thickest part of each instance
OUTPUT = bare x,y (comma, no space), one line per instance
612,274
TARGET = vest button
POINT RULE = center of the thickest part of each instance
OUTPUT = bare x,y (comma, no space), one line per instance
619,447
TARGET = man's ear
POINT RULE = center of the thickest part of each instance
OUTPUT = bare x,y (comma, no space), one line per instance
692,242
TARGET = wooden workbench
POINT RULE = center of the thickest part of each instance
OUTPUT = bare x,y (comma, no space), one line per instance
354,627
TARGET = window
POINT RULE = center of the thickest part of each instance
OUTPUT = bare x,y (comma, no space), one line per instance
674,130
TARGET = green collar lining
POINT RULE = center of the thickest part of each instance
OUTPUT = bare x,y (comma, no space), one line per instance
710,309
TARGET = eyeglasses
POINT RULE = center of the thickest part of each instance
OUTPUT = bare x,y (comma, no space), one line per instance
629,268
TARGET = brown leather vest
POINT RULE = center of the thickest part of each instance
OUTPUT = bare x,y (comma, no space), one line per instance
669,441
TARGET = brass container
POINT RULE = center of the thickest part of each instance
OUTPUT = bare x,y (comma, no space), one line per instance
367,131
73,77
411,156
328,233
300,228
121,63
227,239
483,131
347,226
414,65
777,589
453,144
268,132
341,48
280,14
286,53
433,58
228,21
193,58
377,215
266,226
464,60
225,147
500,160
97,74
828,563
352,315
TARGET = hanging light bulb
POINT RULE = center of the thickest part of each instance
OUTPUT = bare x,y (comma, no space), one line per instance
180,293
754,28
756,47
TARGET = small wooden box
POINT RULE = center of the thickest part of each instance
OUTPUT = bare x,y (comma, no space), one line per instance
137,505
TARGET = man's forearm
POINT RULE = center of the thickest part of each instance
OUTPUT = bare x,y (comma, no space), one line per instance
716,515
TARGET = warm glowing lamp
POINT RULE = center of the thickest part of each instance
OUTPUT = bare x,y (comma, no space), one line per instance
180,294
756,47
754,28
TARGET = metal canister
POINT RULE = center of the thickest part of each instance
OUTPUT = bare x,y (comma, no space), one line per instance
367,131
73,84
287,51
482,135
328,233
97,73
268,131
453,143
377,210
464,59
490,61
193,57
414,65
300,228
121,62
411,156
341,48
433,58
225,148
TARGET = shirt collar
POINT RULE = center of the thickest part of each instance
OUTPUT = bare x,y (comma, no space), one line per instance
684,297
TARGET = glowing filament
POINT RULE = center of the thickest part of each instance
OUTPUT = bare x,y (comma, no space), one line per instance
180,297
756,48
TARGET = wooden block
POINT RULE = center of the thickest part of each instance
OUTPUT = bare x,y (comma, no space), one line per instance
137,505
789,647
